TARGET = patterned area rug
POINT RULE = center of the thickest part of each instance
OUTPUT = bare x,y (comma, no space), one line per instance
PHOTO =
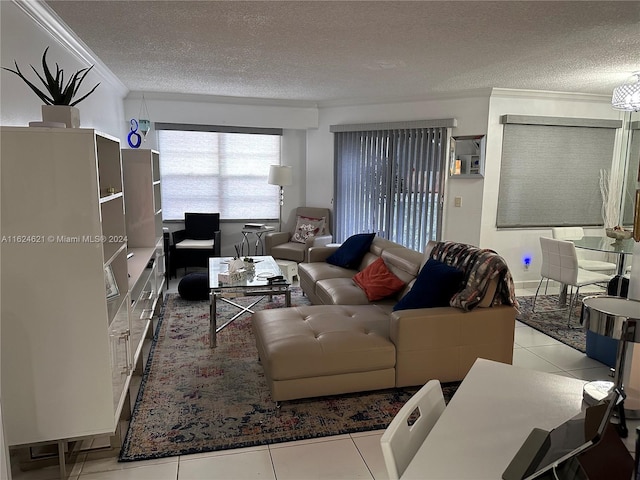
196,399
551,323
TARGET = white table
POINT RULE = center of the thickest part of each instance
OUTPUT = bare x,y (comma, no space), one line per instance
489,418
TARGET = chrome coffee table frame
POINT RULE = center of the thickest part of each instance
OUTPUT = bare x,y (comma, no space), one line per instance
254,285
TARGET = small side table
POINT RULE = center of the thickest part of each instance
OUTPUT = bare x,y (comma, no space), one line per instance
618,318
259,245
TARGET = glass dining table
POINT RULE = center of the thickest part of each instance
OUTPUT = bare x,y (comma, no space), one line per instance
620,248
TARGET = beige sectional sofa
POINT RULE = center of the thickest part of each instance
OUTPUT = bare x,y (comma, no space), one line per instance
343,343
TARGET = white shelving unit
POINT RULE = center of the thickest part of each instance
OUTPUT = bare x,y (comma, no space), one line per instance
467,156
66,349
141,173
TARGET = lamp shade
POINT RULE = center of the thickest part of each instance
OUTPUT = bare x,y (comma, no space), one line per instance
627,96
280,175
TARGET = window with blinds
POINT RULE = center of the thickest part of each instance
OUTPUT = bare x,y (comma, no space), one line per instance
206,170
389,180
550,171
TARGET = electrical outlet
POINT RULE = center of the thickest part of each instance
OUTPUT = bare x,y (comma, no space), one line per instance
457,201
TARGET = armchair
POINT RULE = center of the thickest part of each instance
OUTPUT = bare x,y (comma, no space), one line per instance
197,242
295,243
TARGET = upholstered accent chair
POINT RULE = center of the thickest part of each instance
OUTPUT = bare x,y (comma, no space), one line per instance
307,227
197,242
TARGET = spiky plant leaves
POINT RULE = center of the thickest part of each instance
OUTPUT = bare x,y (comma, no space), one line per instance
59,92
35,89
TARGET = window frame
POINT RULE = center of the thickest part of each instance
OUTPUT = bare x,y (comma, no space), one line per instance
222,195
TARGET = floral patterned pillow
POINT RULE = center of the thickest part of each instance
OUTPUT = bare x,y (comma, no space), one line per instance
307,227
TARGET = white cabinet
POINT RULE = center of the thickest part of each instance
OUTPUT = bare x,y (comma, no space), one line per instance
145,245
65,348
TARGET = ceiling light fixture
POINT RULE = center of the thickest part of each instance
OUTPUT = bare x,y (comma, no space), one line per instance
627,96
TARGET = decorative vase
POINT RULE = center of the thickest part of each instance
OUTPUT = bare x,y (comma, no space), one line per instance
70,116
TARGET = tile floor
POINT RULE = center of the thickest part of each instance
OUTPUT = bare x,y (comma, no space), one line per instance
355,456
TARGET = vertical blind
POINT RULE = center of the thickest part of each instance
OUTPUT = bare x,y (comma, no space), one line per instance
217,171
389,182
550,171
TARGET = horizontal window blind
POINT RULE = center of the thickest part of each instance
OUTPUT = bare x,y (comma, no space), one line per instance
210,171
550,174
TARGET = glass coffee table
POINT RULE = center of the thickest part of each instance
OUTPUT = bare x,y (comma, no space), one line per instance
265,280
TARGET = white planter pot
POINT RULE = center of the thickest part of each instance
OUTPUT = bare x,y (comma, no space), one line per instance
70,116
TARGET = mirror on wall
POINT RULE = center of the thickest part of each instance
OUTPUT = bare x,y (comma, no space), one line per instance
467,156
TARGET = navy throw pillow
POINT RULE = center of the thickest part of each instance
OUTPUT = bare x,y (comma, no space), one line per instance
350,253
436,283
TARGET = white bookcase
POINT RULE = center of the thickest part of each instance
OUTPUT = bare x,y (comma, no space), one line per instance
141,173
66,351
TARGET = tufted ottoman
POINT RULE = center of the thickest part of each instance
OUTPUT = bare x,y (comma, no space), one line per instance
318,350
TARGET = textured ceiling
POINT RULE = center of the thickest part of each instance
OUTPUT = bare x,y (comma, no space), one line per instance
359,51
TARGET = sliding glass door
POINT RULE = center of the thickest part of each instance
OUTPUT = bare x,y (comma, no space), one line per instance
390,182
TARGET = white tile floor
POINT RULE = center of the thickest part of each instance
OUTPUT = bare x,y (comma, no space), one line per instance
354,456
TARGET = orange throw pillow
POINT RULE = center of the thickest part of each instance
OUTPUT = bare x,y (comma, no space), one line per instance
377,281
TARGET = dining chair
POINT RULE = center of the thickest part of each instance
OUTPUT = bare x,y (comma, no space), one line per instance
560,263
410,427
576,233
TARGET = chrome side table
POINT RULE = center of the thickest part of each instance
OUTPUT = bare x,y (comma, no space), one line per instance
618,318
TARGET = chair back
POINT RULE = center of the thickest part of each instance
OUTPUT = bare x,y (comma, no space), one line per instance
201,226
567,233
406,433
559,260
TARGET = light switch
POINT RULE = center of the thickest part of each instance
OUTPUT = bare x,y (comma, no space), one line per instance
457,201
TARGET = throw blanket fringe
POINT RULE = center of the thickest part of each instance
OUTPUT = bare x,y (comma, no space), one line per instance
480,266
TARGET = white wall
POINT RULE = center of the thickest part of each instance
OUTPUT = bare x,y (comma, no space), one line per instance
514,244
461,223
475,221
24,39
293,117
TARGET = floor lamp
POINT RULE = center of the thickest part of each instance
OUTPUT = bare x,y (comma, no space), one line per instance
281,175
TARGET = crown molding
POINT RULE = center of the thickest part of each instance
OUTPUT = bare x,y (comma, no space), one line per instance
199,98
547,94
461,94
47,19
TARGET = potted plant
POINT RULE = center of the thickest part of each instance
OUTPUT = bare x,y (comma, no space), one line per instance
59,97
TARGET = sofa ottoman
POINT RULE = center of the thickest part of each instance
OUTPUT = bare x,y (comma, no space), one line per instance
311,351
